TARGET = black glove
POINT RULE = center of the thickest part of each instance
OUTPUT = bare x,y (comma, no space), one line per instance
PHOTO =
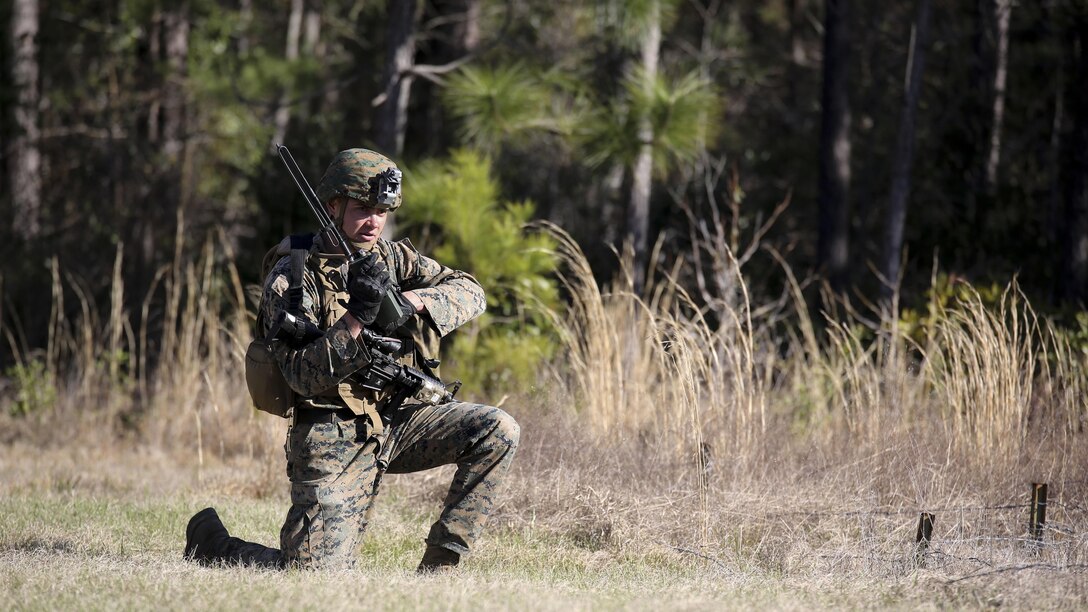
368,281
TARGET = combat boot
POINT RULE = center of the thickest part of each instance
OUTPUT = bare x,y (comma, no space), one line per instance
205,536
438,560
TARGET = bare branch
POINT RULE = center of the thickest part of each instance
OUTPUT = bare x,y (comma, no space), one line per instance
434,72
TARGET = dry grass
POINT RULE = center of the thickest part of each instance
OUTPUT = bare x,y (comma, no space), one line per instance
665,458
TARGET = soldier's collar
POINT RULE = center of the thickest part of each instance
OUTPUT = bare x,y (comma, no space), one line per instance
324,252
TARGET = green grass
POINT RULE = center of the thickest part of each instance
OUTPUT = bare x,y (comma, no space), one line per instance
90,540
68,550
73,549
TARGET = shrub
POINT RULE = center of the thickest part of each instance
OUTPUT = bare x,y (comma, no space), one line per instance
454,208
35,389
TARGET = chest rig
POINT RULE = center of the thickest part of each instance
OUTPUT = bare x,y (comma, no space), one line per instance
268,388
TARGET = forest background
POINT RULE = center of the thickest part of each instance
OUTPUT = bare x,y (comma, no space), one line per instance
906,137
805,251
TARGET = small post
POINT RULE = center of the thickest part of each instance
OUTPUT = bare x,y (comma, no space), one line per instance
1037,521
922,538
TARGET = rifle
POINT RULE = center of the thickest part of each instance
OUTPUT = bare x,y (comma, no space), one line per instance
384,372
330,233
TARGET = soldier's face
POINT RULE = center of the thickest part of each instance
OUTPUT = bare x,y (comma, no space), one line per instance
362,223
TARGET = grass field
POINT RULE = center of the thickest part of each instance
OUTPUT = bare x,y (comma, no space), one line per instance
103,528
80,537
666,462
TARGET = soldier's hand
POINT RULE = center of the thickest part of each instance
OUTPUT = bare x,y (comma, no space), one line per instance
368,281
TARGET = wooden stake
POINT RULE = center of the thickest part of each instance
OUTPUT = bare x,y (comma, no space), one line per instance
923,537
1037,520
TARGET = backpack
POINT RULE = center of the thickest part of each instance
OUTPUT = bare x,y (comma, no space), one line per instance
267,387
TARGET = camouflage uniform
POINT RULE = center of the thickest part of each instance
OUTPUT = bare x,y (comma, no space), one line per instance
336,467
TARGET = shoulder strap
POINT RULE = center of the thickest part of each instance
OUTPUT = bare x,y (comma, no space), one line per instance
300,252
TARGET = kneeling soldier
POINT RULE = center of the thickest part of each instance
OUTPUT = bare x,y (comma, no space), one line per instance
344,435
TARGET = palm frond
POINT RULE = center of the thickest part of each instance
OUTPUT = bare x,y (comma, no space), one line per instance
497,104
685,114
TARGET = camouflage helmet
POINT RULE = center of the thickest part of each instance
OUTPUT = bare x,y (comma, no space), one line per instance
363,175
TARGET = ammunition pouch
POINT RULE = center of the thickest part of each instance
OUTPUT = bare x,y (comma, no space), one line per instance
267,387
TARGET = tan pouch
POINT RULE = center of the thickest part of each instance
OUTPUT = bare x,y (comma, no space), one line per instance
267,387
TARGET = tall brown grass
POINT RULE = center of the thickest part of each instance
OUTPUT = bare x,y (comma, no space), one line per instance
982,381
683,415
169,378
648,365
991,400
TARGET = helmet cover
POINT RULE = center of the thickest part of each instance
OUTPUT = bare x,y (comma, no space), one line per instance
363,175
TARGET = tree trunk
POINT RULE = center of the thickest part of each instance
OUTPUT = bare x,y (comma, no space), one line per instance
174,184
702,171
1074,268
834,177
469,30
245,23
1002,13
311,30
26,158
638,213
154,108
1053,161
283,111
798,56
313,46
989,75
176,30
458,37
391,117
904,153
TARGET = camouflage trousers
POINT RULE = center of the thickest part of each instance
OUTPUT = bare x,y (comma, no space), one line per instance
335,471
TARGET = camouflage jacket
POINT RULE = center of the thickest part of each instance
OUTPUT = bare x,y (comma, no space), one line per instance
320,371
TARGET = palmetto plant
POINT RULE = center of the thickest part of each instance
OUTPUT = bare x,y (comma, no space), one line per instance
684,113
507,103
500,104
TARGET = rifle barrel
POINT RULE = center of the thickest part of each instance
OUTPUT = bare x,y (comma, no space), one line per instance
327,225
